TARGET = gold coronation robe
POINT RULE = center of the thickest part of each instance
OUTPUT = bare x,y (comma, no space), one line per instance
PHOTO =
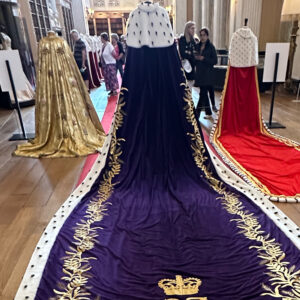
65,119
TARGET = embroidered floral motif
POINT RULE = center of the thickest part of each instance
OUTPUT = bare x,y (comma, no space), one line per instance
76,267
284,280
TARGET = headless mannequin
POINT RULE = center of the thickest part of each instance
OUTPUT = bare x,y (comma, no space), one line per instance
51,33
6,41
27,94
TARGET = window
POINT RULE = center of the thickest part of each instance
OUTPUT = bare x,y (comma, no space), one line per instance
68,22
116,26
102,26
99,3
91,27
40,17
113,2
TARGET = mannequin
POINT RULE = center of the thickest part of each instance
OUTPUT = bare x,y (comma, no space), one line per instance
6,41
66,122
243,49
97,45
92,84
93,64
266,161
24,95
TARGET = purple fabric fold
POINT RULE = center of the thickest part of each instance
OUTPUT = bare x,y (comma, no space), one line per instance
163,218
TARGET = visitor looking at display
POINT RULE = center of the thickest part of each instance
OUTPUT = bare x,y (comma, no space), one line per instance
80,56
206,58
108,63
120,54
187,46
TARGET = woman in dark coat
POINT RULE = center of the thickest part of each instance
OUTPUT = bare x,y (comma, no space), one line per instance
187,46
206,58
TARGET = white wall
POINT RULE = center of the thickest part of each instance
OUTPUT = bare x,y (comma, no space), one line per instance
79,12
125,5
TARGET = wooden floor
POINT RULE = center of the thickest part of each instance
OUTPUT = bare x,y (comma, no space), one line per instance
31,190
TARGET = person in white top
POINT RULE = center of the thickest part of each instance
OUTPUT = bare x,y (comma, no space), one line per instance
108,64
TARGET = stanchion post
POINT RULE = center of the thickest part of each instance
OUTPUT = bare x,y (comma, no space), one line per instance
16,98
275,124
274,88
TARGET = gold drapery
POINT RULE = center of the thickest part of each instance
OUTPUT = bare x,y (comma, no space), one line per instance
65,120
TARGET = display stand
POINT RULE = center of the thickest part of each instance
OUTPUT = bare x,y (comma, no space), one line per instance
13,79
17,136
298,90
275,66
271,124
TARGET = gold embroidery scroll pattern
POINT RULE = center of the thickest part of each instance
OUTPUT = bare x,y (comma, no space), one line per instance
285,280
76,267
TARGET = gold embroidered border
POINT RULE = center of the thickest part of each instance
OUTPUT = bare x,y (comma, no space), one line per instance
76,267
284,280
217,133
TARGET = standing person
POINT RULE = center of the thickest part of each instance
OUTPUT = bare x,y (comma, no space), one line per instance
120,54
123,42
108,63
187,47
80,56
206,58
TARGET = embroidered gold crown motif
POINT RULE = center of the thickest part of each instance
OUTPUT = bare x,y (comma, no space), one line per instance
180,286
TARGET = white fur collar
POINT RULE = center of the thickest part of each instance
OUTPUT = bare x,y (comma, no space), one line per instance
149,25
148,7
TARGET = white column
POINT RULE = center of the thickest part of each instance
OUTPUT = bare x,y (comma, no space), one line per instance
221,23
197,14
250,10
241,9
207,16
205,13
79,16
232,17
180,15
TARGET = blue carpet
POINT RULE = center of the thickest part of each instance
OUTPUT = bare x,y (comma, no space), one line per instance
99,98
195,96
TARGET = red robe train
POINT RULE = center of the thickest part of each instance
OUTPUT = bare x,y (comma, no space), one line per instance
267,161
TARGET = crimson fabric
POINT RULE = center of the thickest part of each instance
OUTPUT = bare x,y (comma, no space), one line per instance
97,65
275,164
106,123
109,112
95,77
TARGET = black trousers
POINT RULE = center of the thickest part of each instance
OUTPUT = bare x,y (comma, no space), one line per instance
211,92
119,65
203,103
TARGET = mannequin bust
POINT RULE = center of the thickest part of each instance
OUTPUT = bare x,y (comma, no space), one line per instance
149,25
51,33
5,39
243,49
72,127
